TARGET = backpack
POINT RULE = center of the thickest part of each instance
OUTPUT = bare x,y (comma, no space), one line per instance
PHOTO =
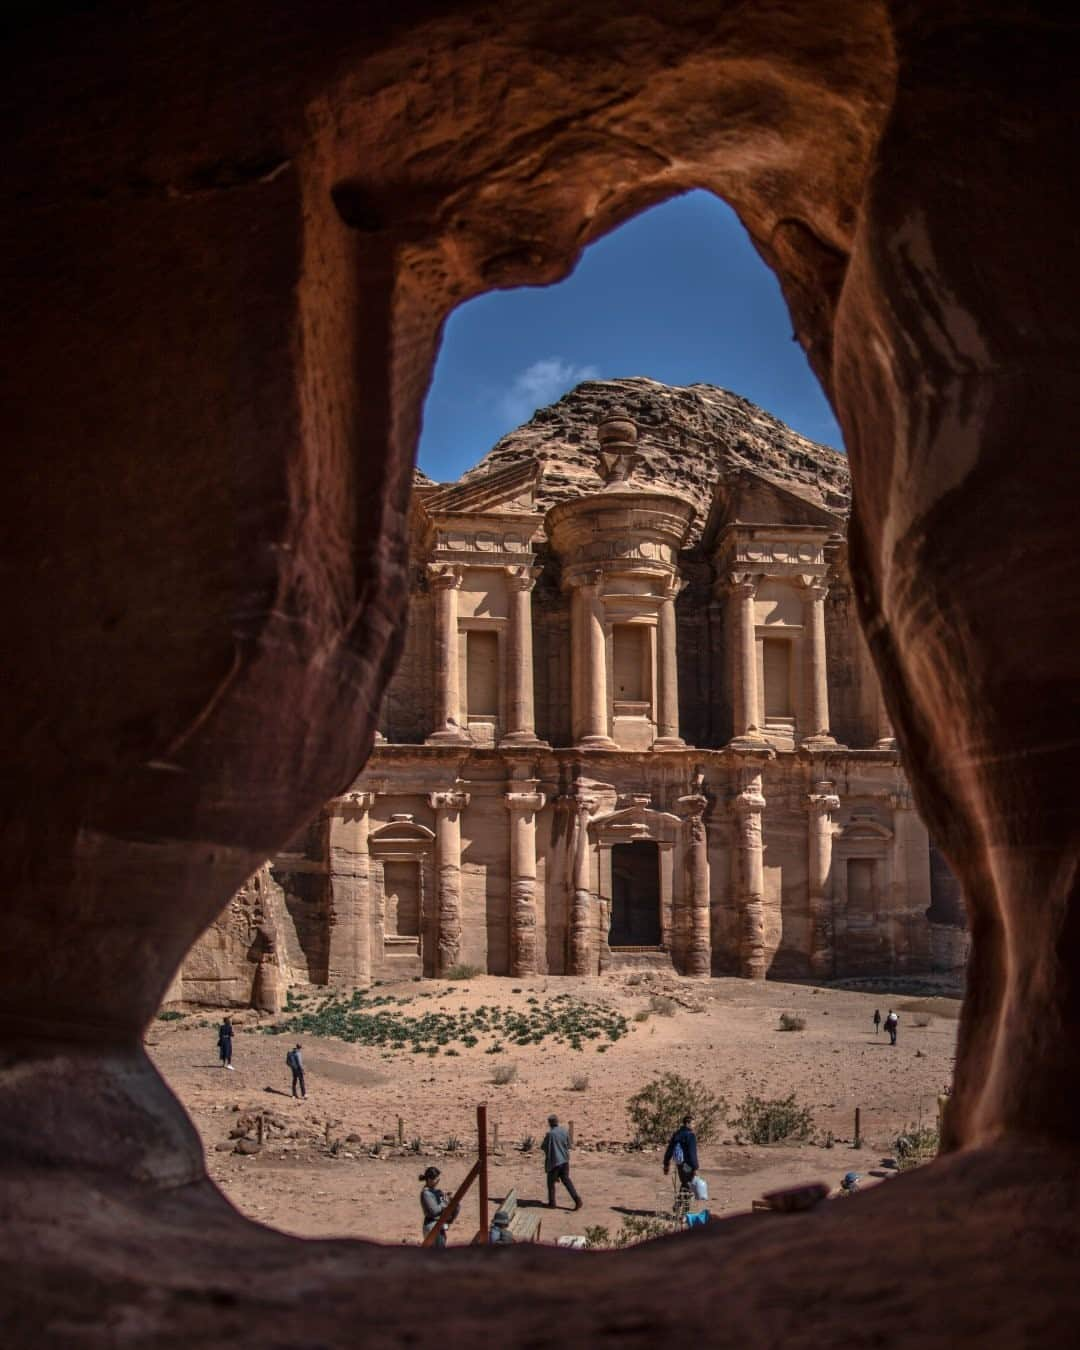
290,1059
678,1157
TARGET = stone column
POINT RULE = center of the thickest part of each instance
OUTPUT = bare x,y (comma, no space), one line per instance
822,804
445,583
448,807
750,874
590,683
667,711
816,701
745,673
523,807
699,950
581,899
886,737
349,954
520,707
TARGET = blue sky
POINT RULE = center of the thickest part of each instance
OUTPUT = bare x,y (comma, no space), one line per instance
677,294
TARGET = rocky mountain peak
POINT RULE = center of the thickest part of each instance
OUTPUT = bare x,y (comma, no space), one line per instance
687,437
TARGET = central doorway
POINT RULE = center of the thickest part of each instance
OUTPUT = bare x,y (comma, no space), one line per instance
635,895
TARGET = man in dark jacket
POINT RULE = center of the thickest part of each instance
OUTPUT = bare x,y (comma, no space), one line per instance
682,1150
556,1150
295,1061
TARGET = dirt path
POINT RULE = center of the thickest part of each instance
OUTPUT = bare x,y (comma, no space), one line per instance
319,1182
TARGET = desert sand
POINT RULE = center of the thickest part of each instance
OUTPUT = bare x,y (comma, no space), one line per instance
312,1179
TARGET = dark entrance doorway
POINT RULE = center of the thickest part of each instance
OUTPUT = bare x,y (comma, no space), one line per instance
635,895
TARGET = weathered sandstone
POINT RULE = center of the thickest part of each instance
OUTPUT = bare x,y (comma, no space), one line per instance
232,234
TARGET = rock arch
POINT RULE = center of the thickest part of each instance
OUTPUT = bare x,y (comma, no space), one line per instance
231,247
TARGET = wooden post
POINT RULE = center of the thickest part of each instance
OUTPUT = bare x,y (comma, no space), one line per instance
482,1160
495,1137
400,1130
858,1128
570,1131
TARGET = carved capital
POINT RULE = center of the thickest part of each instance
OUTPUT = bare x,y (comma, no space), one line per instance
522,578
445,576
748,802
525,801
743,585
355,801
451,800
815,589
822,799
693,804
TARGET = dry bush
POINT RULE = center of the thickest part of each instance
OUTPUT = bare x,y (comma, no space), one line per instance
922,1019
657,1110
579,1083
462,972
505,1073
642,1015
662,1006
772,1120
789,1022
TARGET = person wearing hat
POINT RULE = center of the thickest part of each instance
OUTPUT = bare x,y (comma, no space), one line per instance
433,1203
500,1228
850,1183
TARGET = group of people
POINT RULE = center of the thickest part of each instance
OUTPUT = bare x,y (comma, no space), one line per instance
294,1060
555,1149
892,1022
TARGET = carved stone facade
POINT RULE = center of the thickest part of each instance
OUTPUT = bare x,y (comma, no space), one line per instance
619,736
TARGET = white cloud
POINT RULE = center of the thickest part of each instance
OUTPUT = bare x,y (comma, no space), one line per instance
541,383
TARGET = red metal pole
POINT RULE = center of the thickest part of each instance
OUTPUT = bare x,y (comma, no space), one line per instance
482,1159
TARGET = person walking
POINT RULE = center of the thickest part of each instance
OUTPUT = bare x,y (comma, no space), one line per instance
682,1151
877,1020
892,1022
224,1043
556,1148
295,1061
433,1204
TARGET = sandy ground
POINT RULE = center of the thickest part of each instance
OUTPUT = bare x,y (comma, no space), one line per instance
320,1183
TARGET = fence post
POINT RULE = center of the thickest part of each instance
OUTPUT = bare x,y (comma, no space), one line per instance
495,1137
482,1140
570,1129
400,1130
858,1128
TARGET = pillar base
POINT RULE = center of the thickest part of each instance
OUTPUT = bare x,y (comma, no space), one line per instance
821,742
522,740
595,743
668,743
449,735
750,740
886,743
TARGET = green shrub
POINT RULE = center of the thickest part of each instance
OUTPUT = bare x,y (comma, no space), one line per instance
772,1120
656,1111
170,1015
789,1022
917,1145
596,1235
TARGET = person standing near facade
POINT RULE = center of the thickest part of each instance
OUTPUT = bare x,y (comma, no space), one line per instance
224,1043
556,1150
295,1062
892,1022
877,1020
682,1151
433,1203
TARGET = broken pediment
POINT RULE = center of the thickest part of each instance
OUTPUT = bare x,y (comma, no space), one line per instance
747,498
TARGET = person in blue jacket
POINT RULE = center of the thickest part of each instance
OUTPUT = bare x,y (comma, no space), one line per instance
682,1151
